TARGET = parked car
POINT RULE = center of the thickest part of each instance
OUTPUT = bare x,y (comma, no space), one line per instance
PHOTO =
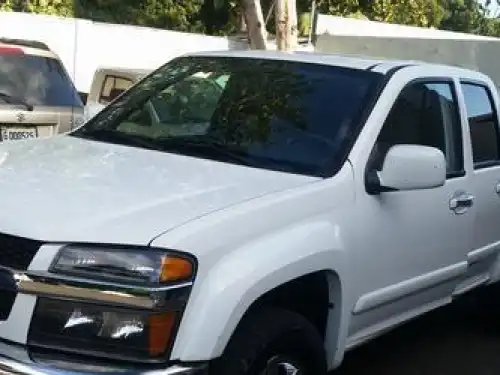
317,202
107,84
37,96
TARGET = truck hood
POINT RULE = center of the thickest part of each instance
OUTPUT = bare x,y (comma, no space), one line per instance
68,189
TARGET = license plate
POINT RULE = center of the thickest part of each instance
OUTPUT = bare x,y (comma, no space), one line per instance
18,134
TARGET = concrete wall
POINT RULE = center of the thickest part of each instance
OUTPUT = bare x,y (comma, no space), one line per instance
480,55
83,45
355,27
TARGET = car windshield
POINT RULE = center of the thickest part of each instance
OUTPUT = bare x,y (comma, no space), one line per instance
35,80
280,115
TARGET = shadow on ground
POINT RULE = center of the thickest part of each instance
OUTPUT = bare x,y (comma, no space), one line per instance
462,339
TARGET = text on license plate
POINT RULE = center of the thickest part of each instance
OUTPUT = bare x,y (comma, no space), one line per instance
17,134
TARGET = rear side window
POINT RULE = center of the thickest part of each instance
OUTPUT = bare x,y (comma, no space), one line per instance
483,124
113,87
36,80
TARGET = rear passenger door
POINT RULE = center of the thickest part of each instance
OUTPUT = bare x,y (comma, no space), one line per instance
482,116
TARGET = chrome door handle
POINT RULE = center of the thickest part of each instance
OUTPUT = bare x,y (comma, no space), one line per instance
460,202
497,188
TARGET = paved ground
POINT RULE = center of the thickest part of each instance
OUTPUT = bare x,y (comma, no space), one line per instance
459,340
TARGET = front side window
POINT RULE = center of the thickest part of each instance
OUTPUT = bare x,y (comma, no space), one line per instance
279,115
483,124
425,113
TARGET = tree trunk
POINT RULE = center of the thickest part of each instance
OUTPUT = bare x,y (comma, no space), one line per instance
242,26
254,20
286,25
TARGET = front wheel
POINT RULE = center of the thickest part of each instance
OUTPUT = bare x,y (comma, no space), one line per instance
273,342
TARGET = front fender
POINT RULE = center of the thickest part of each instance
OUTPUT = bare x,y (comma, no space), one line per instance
224,292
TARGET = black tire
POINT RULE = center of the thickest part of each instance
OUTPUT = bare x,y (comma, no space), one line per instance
272,335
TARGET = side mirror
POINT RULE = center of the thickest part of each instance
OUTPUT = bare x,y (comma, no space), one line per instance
409,167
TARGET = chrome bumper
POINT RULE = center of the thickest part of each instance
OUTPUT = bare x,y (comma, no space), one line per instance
16,361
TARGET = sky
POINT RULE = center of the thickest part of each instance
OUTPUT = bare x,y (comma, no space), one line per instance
494,8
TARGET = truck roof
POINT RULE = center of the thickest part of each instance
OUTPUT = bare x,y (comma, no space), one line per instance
29,47
349,61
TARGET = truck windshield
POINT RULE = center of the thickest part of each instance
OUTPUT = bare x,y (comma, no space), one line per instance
280,115
35,81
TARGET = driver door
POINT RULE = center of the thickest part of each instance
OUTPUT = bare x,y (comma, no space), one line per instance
418,239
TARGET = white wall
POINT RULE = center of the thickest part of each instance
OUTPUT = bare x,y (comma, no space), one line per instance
387,41
340,26
83,45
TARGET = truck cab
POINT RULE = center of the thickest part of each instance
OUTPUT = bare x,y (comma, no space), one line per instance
310,204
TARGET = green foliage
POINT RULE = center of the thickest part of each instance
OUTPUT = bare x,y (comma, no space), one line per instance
424,13
467,16
52,7
304,23
168,14
222,16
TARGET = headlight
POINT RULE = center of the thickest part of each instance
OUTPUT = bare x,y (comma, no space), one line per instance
144,266
110,302
112,332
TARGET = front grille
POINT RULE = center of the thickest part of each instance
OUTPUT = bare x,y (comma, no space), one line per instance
17,252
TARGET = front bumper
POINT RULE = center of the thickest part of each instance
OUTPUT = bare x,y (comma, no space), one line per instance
16,360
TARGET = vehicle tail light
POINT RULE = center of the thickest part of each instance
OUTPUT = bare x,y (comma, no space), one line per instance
10,51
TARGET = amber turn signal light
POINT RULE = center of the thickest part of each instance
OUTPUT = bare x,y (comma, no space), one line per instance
161,327
175,269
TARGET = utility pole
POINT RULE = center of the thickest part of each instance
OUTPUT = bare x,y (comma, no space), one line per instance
286,25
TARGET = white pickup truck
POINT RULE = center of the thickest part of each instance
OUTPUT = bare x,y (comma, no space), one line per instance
310,204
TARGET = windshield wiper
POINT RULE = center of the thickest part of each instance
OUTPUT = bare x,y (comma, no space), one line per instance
118,137
204,148
11,99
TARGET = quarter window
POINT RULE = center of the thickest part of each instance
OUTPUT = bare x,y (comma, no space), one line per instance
483,124
424,114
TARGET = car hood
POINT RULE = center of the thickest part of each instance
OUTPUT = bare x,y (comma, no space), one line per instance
69,189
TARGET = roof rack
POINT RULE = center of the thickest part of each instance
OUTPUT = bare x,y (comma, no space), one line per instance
25,43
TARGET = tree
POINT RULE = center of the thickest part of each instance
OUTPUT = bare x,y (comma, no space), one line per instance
166,14
222,17
426,13
52,7
254,20
286,24
466,16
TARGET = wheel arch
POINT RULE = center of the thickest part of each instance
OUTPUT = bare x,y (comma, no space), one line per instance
222,298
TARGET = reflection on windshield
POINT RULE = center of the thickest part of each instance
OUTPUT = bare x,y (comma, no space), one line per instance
280,115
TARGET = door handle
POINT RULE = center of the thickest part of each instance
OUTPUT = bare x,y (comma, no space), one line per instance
497,188
460,202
